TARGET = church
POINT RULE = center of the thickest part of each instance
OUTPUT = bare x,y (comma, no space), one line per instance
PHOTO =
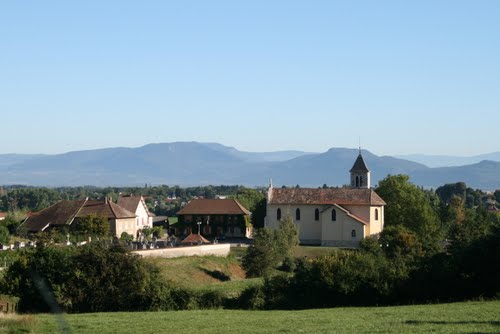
339,217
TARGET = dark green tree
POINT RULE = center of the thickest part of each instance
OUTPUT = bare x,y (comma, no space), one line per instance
408,206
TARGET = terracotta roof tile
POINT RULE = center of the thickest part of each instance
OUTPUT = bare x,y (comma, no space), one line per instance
195,238
214,207
61,213
106,209
129,203
340,196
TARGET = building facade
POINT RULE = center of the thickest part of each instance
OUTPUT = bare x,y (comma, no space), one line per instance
330,216
215,218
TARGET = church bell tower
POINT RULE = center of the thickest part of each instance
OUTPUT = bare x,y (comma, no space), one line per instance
360,174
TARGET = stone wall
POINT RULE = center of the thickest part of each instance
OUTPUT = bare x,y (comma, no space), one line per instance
217,250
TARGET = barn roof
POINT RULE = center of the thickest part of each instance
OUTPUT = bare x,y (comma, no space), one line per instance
63,213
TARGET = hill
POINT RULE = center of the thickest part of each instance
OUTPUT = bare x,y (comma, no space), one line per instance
193,163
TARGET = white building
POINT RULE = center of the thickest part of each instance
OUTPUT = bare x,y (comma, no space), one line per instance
331,216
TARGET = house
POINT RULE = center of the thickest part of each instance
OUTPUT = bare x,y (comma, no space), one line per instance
137,205
330,216
2,215
66,213
214,217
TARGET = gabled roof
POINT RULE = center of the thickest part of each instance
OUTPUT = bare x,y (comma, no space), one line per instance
131,203
329,196
106,209
353,216
214,207
194,239
64,212
61,213
359,165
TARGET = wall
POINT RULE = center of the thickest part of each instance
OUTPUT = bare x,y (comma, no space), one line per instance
338,233
128,225
217,250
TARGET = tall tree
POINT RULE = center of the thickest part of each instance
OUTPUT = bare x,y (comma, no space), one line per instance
408,206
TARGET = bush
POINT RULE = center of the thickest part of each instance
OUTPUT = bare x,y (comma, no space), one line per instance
93,278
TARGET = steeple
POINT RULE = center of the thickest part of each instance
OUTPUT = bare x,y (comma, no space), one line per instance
360,174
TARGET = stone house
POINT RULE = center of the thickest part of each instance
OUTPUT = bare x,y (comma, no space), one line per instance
137,205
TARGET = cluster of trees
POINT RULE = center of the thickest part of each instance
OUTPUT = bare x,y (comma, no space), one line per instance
97,277
430,250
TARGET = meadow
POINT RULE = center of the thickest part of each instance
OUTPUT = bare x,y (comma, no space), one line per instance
464,317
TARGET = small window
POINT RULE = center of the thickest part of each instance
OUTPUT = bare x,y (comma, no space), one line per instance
297,214
316,214
357,181
361,181
376,214
278,214
353,233
334,215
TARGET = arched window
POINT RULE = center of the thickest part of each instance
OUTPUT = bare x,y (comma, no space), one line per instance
357,181
278,214
353,233
316,214
361,181
376,214
297,214
334,215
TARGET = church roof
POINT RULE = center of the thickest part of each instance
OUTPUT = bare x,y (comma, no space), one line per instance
340,196
214,207
359,165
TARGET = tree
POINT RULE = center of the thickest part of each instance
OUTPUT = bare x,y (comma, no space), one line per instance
408,206
271,247
91,226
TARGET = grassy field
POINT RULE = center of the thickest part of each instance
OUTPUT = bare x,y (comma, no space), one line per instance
469,317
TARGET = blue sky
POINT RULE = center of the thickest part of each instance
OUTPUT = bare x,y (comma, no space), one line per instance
405,76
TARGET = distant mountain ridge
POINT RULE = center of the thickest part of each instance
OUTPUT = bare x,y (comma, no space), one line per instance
449,160
194,163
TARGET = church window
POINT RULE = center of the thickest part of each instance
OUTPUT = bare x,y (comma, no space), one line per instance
353,233
297,214
357,181
376,214
361,181
316,214
278,214
334,215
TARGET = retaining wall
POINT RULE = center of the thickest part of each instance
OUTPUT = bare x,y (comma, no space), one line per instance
217,250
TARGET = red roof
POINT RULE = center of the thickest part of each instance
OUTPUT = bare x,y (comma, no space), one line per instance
194,239
214,207
341,196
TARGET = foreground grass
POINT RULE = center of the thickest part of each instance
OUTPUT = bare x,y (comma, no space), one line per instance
469,317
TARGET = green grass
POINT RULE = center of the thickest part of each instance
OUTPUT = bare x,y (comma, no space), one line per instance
206,273
469,317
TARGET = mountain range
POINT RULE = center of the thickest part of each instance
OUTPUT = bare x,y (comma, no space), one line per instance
194,163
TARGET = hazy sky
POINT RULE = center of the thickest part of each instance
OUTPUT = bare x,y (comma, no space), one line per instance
405,76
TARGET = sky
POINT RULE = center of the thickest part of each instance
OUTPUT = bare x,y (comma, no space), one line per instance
401,77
